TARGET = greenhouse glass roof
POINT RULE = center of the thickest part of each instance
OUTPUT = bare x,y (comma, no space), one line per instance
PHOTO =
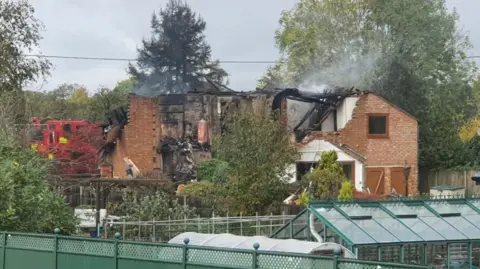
397,222
246,243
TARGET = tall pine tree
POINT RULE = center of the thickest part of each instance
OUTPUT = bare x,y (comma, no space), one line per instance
177,58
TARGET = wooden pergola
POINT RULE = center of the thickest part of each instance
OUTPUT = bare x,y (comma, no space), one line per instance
98,182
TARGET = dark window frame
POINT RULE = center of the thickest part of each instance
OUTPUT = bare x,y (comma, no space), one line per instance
51,138
387,123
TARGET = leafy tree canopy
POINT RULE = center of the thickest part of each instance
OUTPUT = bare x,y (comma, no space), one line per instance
67,101
19,34
72,101
346,192
327,178
147,205
107,100
214,170
409,51
469,130
28,204
211,195
258,151
177,58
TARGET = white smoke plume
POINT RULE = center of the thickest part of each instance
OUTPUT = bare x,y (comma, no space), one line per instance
349,69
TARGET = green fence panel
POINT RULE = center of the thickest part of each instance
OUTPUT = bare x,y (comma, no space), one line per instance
2,250
24,251
27,251
75,261
281,261
149,256
361,264
21,258
73,253
203,257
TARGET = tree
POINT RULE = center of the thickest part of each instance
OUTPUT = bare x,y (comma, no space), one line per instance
159,205
327,178
79,104
258,151
72,101
346,192
211,195
28,203
214,170
177,58
469,130
11,113
19,34
272,78
410,52
57,103
252,159
303,199
149,206
107,100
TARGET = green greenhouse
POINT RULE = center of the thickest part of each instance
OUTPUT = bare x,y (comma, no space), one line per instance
440,232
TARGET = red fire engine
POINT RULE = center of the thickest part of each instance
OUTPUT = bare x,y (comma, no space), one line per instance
72,144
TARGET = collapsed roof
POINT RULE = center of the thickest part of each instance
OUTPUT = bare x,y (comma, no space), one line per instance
320,105
316,104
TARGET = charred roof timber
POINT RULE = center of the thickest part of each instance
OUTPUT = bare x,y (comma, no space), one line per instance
325,102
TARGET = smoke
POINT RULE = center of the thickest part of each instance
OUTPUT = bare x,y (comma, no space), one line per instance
155,84
348,68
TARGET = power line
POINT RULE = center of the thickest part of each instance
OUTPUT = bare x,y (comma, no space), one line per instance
131,60
134,60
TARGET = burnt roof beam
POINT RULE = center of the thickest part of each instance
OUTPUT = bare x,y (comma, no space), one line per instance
327,111
306,116
312,100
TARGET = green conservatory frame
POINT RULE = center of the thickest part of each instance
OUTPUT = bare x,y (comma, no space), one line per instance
416,231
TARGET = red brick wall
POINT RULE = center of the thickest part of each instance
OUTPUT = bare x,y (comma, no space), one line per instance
106,170
400,146
136,141
147,124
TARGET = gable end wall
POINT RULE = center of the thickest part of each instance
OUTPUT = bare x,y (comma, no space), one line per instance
400,146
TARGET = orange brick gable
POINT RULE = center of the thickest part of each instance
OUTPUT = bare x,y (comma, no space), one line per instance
400,146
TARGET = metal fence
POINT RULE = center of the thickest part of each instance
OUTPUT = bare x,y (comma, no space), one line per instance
20,251
164,230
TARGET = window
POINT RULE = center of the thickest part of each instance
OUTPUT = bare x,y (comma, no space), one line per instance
51,138
67,128
348,171
378,125
167,162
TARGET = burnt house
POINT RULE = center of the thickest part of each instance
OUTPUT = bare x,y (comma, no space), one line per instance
376,142
166,136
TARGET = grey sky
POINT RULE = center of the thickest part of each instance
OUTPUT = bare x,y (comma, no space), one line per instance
236,30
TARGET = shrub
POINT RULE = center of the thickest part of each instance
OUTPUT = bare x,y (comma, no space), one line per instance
346,192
